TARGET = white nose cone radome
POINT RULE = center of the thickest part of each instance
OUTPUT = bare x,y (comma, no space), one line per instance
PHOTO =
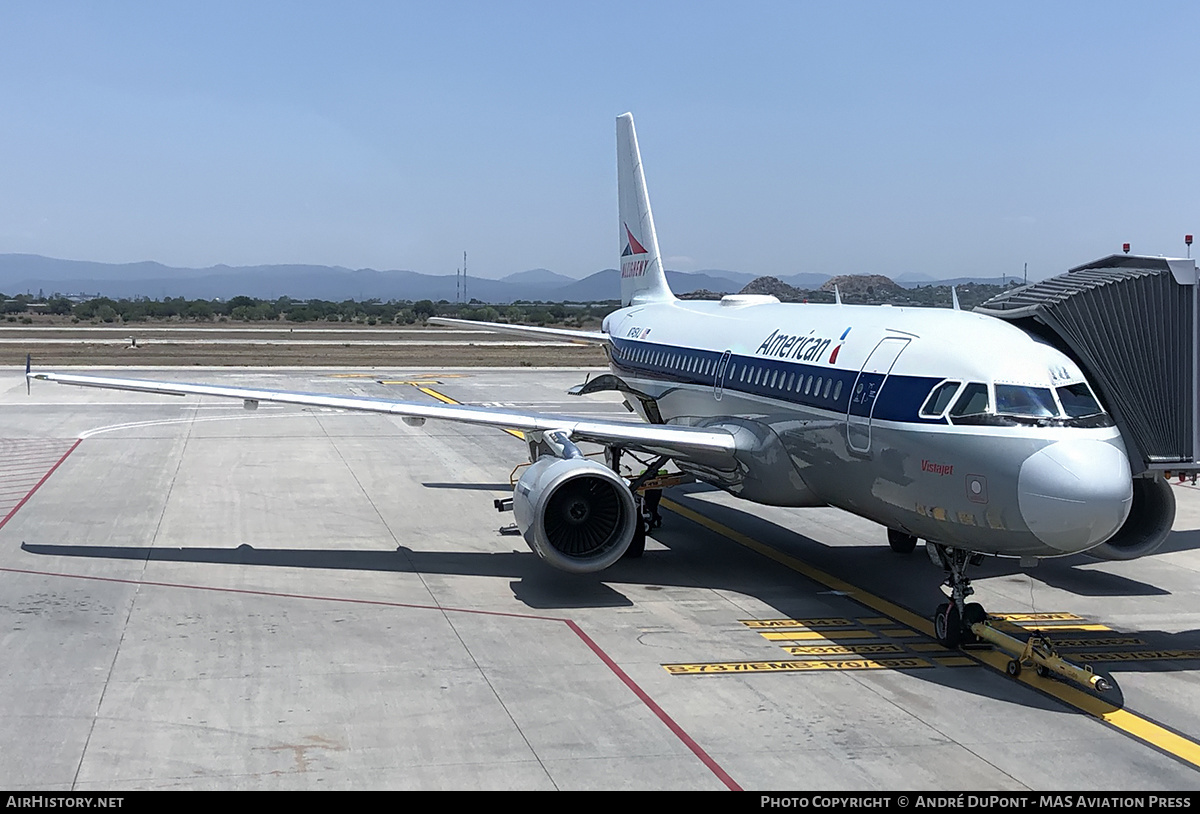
1076,494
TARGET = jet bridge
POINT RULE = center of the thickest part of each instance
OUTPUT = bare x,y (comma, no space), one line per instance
1130,322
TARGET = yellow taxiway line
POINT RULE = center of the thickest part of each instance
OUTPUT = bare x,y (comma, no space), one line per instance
1128,722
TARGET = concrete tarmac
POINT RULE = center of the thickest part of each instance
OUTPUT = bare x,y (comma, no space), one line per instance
194,596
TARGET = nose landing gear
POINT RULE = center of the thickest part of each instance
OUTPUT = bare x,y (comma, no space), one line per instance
958,622
952,620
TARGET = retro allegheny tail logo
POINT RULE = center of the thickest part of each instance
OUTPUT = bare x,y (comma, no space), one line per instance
631,267
806,348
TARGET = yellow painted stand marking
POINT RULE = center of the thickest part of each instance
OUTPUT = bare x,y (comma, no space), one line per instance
1039,617
1112,641
801,635
1128,722
777,623
842,649
1143,655
795,666
927,647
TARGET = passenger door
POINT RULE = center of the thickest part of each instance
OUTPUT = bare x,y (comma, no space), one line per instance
866,390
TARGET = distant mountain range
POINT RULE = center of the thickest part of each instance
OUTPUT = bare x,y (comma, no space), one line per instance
31,273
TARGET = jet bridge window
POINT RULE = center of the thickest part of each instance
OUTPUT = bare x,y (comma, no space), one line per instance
1032,402
1078,400
939,399
973,401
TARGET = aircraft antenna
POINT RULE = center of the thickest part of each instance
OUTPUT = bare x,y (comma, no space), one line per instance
837,295
954,298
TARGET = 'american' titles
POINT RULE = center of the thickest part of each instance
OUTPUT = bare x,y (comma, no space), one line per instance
806,348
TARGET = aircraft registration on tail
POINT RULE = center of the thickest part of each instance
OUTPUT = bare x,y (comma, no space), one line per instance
943,425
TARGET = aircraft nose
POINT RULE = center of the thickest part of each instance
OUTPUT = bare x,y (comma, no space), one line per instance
1075,494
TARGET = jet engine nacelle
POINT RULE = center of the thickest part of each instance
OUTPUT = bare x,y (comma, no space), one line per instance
575,514
1149,522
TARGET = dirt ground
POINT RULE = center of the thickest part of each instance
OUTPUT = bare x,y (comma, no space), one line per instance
276,347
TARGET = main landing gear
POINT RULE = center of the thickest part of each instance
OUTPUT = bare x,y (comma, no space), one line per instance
952,620
647,492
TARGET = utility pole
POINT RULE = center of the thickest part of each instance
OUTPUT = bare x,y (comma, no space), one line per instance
465,278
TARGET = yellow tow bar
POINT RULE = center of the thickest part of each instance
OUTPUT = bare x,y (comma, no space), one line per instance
1038,652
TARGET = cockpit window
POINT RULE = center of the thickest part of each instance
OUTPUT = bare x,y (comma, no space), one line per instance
974,400
938,400
1032,402
1078,400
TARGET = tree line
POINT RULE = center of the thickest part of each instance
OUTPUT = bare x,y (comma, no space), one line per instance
19,308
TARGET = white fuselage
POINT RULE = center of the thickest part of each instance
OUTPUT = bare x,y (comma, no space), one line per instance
1001,459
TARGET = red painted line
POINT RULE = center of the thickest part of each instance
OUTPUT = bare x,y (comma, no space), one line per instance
642,695
38,485
697,750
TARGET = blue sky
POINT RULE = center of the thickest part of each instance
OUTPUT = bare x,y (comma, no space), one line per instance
894,137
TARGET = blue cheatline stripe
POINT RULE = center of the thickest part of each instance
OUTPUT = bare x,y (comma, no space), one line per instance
807,385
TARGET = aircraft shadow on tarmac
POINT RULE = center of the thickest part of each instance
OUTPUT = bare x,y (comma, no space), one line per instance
685,559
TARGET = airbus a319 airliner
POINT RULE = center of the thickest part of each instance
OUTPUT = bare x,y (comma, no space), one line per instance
943,425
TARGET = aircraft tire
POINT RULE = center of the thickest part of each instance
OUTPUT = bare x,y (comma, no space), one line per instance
1042,670
973,613
1013,668
947,625
900,542
638,546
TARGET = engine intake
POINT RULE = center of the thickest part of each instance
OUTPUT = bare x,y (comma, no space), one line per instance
1149,522
575,514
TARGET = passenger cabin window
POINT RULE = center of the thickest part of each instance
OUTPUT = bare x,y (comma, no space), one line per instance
1078,400
973,401
939,400
1031,402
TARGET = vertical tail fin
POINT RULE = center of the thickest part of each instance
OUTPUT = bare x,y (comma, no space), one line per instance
642,276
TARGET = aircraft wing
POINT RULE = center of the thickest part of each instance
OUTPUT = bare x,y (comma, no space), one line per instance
663,439
527,331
